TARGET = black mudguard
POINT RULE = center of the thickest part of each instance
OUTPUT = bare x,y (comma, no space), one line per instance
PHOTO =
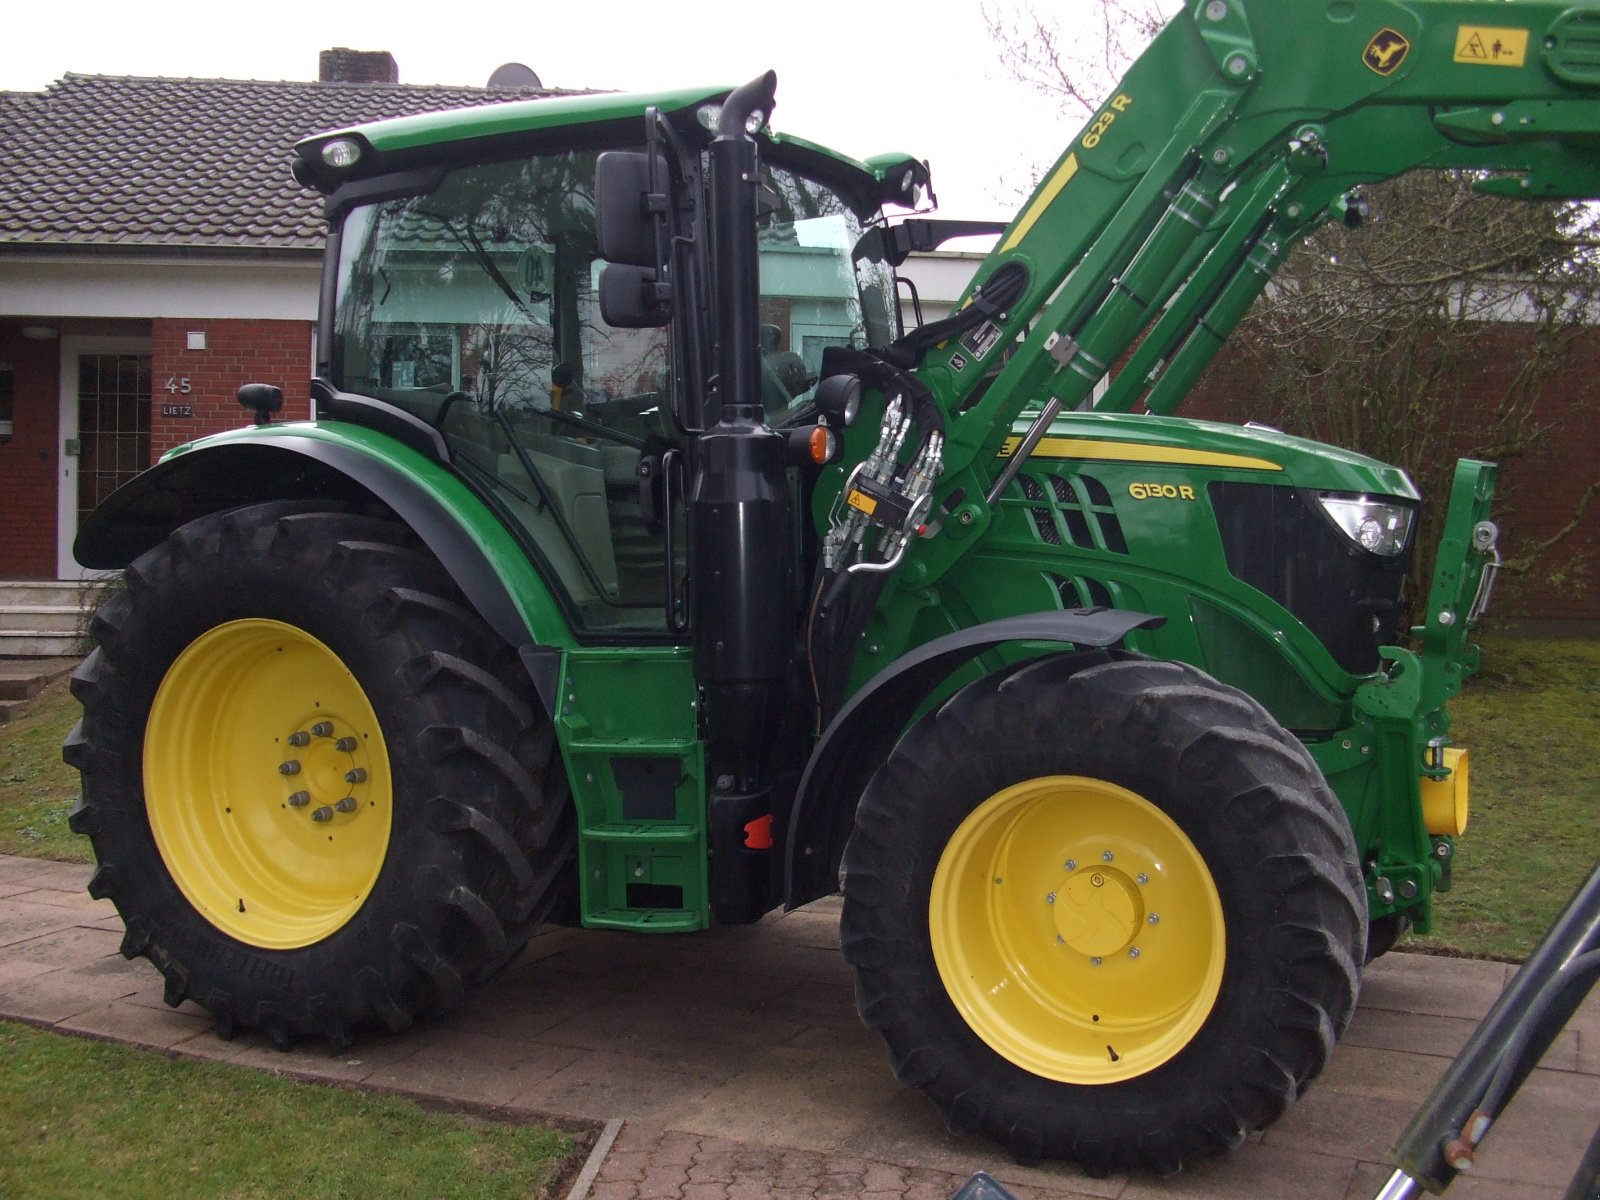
149,507
861,737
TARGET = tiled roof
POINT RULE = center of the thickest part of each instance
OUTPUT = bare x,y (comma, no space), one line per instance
97,160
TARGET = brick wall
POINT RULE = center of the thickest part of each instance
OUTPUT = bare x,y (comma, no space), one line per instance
236,352
1539,490
28,469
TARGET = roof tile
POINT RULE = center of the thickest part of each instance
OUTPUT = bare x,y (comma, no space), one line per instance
117,160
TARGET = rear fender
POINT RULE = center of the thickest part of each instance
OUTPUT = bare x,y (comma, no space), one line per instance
341,464
861,737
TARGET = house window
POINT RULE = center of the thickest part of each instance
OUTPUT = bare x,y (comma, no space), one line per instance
113,424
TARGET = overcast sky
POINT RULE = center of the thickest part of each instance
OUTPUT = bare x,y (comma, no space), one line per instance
863,77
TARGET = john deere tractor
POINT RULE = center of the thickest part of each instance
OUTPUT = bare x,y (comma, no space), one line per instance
640,570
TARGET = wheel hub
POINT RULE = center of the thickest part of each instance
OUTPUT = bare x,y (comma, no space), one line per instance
267,783
1098,912
1077,930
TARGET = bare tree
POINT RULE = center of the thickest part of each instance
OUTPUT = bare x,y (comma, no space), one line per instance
1076,66
1451,324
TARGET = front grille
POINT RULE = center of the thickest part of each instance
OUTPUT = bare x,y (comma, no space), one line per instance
1070,507
1278,540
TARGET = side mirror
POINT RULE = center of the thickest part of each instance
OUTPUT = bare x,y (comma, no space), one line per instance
632,298
262,399
627,208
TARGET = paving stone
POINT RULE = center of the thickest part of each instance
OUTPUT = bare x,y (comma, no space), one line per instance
461,1066
600,1085
154,995
1258,1171
120,1021
14,868
1542,1134
57,995
1417,1033
22,919
1362,1102
73,946
315,1059
1433,985
671,1028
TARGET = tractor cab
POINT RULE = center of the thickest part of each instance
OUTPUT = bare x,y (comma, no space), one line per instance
468,294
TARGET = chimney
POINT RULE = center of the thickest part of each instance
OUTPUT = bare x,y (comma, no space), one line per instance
343,65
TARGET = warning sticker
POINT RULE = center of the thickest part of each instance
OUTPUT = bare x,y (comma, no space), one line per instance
1488,46
861,500
958,362
981,340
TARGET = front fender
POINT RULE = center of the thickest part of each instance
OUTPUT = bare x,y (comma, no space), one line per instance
861,737
341,462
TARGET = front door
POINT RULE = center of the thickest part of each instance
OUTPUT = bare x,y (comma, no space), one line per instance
105,429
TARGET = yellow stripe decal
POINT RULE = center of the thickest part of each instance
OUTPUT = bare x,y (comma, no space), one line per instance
1056,447
1042,201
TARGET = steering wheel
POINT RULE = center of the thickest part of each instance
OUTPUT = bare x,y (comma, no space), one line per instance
593,428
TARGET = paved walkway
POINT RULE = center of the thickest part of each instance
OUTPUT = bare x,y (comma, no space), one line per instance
741,1070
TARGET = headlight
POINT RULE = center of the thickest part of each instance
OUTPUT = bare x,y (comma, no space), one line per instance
1382,526
341,152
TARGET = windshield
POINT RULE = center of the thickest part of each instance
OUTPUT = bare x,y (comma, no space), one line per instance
476,308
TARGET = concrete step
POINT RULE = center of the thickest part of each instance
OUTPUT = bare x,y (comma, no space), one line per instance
30,643
24,678
72,592
45,617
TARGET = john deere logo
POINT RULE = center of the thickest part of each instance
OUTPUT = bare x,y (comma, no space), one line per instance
1386,51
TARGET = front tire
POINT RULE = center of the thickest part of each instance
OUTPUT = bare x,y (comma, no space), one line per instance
1106,912
317,793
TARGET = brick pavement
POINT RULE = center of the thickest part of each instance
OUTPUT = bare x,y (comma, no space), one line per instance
741,1071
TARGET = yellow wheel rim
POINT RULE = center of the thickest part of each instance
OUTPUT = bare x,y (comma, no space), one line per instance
1077,930
267,784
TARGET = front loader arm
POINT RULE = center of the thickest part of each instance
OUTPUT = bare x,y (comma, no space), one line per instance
1242,128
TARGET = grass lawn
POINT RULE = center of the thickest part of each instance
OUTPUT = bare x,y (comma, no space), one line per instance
37,789
1530,719
92,1119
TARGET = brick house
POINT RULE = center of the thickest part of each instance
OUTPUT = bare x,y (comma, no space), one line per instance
154,254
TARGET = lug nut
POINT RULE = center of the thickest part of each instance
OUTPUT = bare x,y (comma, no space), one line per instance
356,775
1072,864
299,738
1095,961
300,799
346,745
1143,878
292,767
1133,952
322,729
1050,899
1107,856
347,804
1155,918
322,814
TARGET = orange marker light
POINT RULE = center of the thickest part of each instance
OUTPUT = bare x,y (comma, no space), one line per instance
823,444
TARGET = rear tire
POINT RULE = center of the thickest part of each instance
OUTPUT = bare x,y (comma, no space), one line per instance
283,634
1111,913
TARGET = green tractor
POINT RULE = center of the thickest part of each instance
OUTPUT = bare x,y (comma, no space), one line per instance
640,571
